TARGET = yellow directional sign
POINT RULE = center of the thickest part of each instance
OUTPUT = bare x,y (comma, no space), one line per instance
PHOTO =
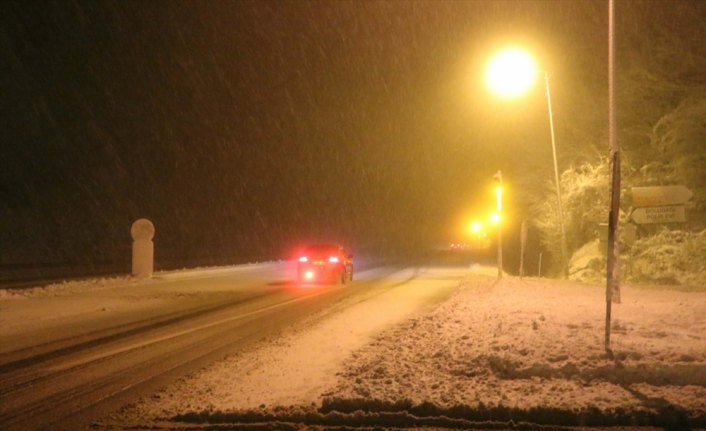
659,196
664,214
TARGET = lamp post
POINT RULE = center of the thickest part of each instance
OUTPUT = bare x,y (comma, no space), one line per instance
510,73
498,178
564,266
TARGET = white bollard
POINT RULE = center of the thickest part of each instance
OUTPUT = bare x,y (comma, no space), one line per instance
142,232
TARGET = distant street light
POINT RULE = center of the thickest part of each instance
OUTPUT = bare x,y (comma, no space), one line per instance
476,228
510,73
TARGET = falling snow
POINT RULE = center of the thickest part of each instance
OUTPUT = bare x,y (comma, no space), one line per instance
243,128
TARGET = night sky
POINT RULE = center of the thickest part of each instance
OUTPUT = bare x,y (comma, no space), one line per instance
242,129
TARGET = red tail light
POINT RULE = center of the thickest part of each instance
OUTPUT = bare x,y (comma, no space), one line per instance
333,259
303,259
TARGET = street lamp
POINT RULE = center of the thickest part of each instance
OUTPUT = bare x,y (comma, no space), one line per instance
511,73
564,266
476,228
498,177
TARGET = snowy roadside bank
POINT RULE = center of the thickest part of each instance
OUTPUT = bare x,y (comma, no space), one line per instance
493,353
42,314
93,284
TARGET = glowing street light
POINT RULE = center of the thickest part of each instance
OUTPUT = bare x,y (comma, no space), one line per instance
476,227
510,73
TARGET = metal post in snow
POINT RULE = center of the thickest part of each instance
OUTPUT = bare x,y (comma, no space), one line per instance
613,264
498,177
523,239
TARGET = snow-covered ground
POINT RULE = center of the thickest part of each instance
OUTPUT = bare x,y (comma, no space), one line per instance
529,349
534,346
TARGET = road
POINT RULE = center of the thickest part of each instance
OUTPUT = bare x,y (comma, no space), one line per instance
69,358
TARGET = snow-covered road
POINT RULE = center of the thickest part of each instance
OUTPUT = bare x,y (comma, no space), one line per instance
75,351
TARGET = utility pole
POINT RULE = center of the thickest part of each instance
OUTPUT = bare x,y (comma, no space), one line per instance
523,240
498,177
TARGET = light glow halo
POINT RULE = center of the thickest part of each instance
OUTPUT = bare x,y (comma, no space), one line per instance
510,72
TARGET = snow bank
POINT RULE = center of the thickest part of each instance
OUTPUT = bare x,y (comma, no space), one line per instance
670,257
588,263
71,287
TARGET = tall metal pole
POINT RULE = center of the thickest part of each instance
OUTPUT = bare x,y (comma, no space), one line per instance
498,177
613,265
523,240
564,264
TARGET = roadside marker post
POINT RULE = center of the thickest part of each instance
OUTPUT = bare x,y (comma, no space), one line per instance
142,232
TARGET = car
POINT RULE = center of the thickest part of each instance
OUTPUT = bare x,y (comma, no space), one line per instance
324,263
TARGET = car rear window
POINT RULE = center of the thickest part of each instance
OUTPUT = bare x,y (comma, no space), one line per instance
322,250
